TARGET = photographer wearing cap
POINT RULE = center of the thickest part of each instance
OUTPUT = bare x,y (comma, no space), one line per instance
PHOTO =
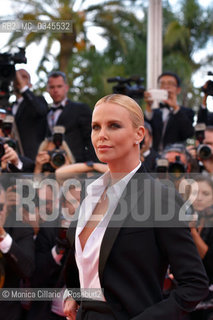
30,114
170,122
179,164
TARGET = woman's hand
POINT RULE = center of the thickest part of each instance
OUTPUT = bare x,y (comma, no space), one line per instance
70,309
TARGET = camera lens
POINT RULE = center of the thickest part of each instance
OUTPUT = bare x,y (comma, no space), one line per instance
176,170
58,159
204,152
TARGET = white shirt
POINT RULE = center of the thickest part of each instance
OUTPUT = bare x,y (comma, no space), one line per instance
52,117
19,101
6,243
16,105
88,259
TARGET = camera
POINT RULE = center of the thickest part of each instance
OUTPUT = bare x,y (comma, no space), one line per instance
6,126
58,135
203,150
57,157
7,73
162,168
158,94
209,88
125,86
175,169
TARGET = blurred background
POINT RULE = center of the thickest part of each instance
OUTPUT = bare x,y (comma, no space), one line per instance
109,39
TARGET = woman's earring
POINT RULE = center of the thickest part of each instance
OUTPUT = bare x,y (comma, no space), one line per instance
136,142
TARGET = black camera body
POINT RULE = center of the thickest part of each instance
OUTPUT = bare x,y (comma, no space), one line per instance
124,86
209,89
11,143
204,152
175,170
57,157
7,72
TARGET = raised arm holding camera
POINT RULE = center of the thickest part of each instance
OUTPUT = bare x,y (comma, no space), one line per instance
30,114
170,122
204,115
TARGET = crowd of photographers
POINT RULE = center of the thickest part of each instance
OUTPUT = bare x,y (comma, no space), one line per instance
40,143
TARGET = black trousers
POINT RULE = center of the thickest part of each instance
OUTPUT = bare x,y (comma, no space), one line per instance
95,310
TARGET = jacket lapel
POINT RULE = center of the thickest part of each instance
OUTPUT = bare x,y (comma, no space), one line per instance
63,115
114,226
19,111
72,229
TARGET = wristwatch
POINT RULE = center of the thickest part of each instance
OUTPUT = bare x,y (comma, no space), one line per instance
90,164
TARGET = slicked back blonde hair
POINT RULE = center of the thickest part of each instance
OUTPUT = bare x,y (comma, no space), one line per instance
135,111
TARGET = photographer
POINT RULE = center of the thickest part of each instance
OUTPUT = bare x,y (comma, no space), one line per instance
53,153
202,152
147,154
30,114
17,255
208,140
10,160
51,252
202,233
179,164
171,122
204,115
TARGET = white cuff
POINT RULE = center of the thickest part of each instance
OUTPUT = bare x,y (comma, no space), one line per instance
57,257
20,164
6,244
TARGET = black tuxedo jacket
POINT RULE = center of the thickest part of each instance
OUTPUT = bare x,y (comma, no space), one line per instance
134,256
48,274
18,264
76,118
178,129
204,116
31,122
150,161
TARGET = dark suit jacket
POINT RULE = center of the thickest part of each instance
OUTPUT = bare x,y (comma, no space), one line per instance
178,129
18,264
28,165
48,274
204,116
150,160
76,118
31,122
134,257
